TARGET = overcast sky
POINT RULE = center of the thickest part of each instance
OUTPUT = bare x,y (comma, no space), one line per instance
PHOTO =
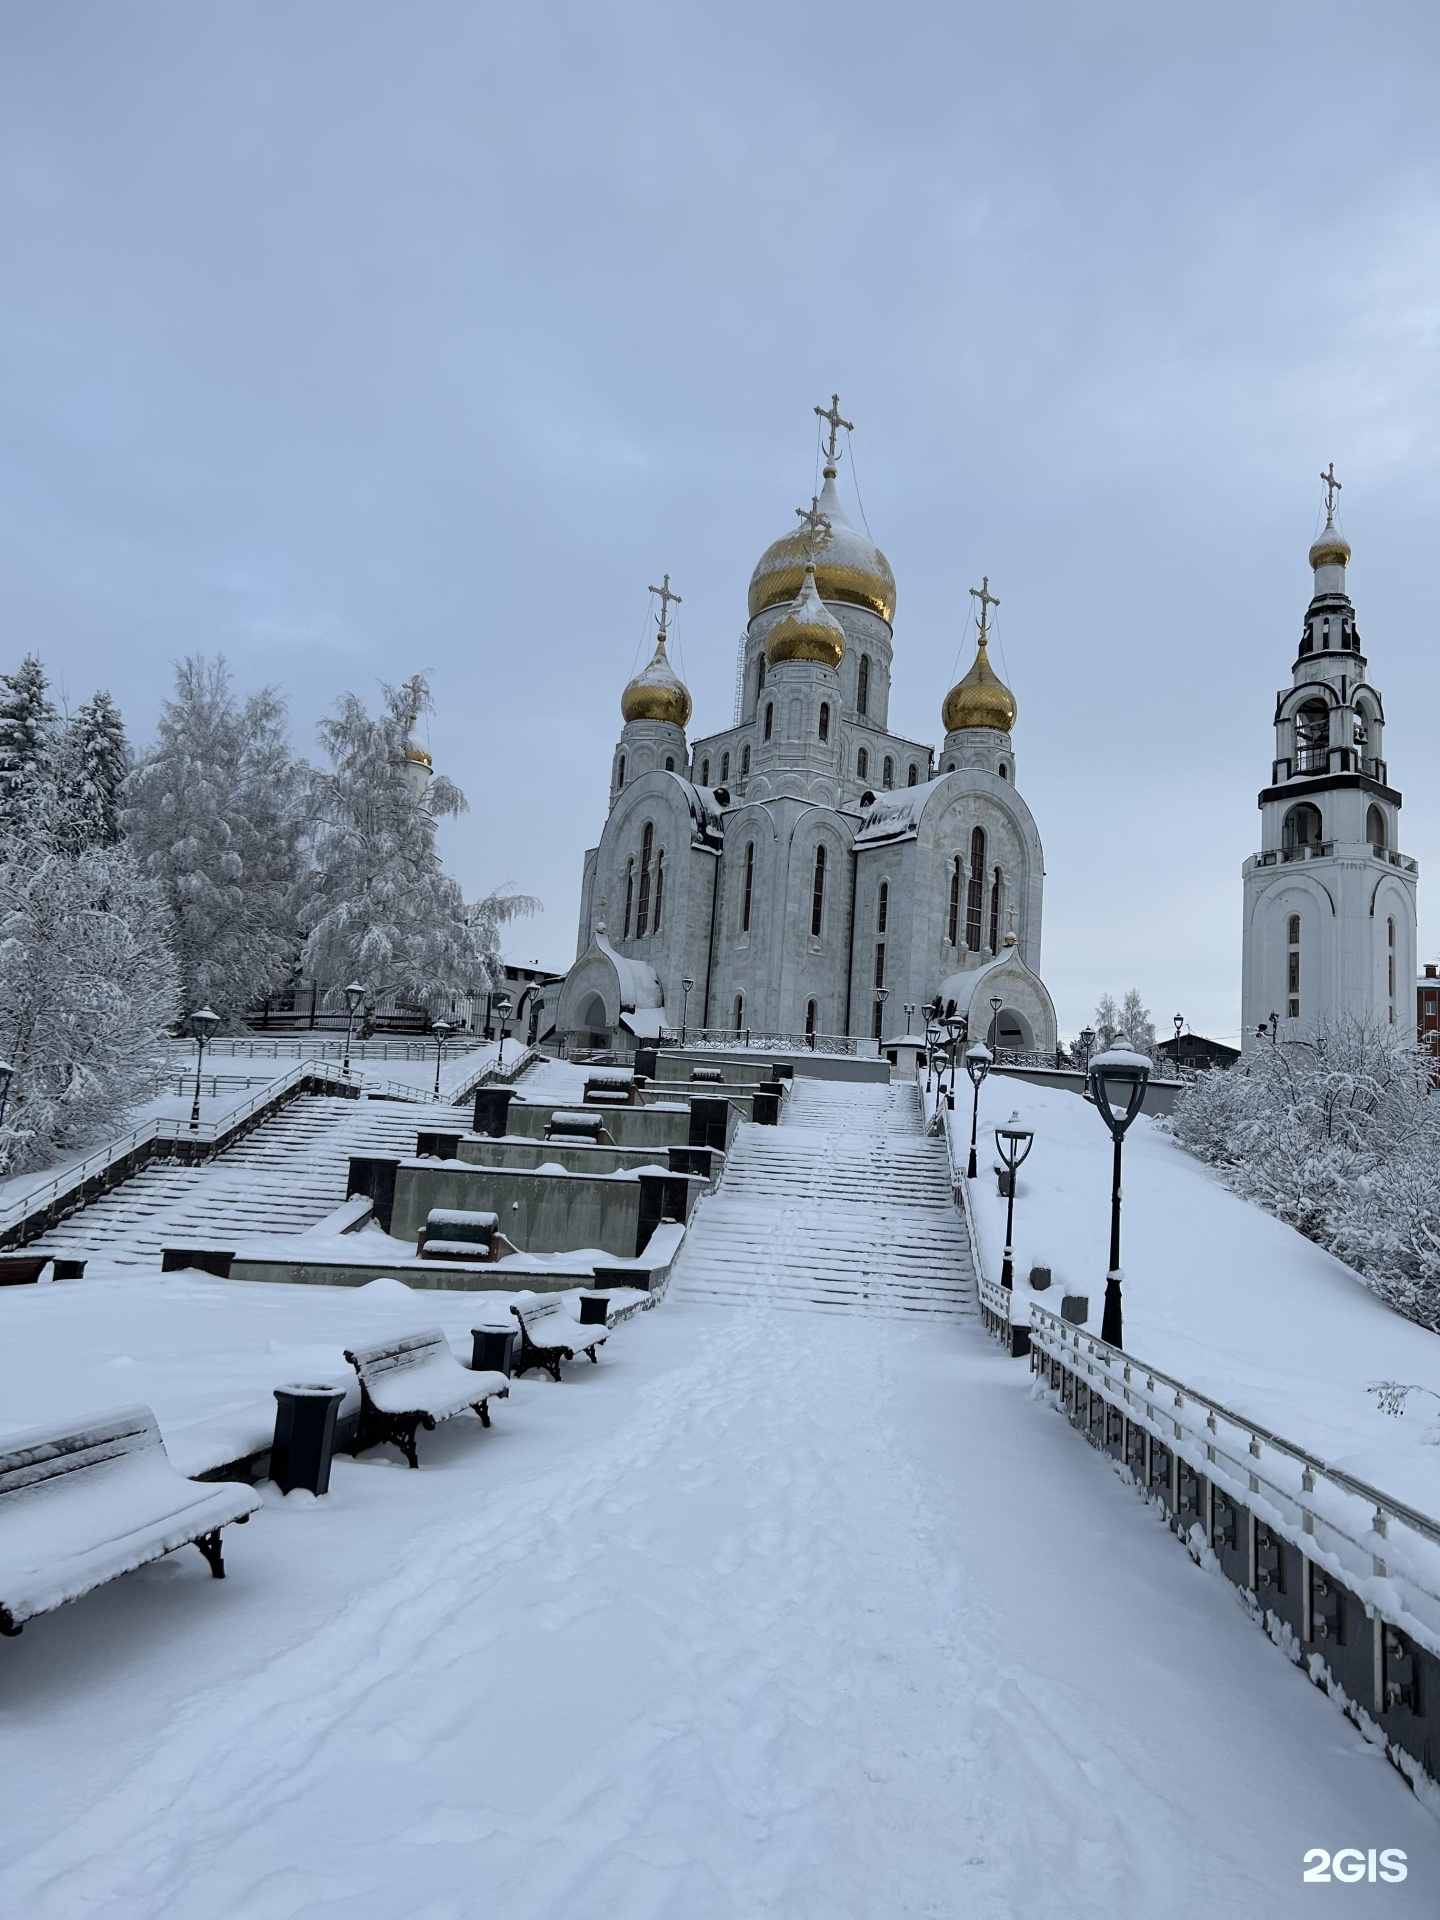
351,337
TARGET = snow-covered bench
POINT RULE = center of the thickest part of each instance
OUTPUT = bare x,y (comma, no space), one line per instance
416,1382
579,1126
453,1233
549,1334
611,1090
80,1505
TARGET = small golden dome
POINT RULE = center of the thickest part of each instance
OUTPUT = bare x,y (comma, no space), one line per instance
981,699
850,568
807,630
1331,548
657,693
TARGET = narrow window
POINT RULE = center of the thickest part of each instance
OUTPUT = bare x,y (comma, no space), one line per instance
620,776
1004,771
760,676
669,763
629,893
995,913
824,719
642,912
1375,829
879,963
975,891
724,768
739,1012
745,763
659,888
954,902
877,1027
862,765
769,718
887,778
1390,933
749,886
817,894
914,779
883,912
809,1017
862,690
704,773
1292,969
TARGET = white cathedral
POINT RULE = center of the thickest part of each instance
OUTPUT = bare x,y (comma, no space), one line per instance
1330,926
807,873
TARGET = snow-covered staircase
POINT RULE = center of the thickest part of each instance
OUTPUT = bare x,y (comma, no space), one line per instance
282,1178
845,1206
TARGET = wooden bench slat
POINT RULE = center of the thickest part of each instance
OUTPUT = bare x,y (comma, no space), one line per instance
415,1382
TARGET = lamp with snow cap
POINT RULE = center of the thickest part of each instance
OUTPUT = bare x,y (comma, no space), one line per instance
440,1032
1013,1143
354,999
977,1065
687,987
1118,1078
502,1013
202,1024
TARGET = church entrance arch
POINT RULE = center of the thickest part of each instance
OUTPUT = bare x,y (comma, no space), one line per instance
593,1020
1011,1029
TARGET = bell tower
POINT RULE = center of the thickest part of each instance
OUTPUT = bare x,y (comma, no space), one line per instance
1329,917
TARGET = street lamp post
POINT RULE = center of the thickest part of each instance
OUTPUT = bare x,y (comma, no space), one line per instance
440,1032
202,1025
1086,1044
7,1074
1118,1078
909,1016
502,1009
687,987
1179,1023
882,994
354,997
977,1065
957,1028
995,1005
1013,1143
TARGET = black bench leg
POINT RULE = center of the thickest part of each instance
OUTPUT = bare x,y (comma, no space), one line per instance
405,1440
593,1361
553,1368
209,1545
482,1407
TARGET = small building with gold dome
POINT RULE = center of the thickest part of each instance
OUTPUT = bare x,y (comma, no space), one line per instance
810,873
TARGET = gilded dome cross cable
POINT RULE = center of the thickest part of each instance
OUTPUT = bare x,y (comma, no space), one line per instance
987,600
832,414
1332,487
665,597
816,528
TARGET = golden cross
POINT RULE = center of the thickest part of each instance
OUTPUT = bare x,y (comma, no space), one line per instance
816,525
832,414
987,600
1332,487
666,596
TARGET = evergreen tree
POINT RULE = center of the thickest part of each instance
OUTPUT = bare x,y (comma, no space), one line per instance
1132,1018
377,905
215,812
28,740
93,759
1107,1023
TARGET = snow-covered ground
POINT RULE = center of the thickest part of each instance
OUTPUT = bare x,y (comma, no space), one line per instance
768,1614
1216,1291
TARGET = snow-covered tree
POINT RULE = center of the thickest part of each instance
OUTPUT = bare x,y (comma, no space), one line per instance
91,763
28,739
377,905
215,813
1131,1017
87,987
1107,1023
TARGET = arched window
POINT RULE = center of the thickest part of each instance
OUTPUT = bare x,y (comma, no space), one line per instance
749,893
882,912
887,776
724,768
809,1018
629,893
1301,828
1375,829
914,779
817,894
745,763
669,763
739,1012
1312,738
769,718
824,719
862,765
975,892
879,963
995,912
642,912
1390,936
620,774
1004,771
1292,968
759,676
862,686
877,1024
704,773
954,931
659,889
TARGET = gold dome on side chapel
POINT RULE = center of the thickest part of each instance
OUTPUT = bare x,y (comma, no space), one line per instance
981,699
807,630
657,692
849,568
1331,548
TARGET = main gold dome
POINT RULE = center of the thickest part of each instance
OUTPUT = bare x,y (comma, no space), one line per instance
981,699
849,568
807,630
1331,548
657,692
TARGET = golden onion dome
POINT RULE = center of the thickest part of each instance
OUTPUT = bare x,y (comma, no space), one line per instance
981,699
850,568
657,693
1331,548
807,630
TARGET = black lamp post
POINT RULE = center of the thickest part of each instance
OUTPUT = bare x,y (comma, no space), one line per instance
882,994
1086,1044
977,1065
202,1025
354,998
502,1010
1179,1023
7,1074
957,1028
995,1005
909,1016
440,1032
1118,1078
687,987
1014,1143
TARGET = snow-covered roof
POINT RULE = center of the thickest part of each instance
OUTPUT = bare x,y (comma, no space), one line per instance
638,981
896,814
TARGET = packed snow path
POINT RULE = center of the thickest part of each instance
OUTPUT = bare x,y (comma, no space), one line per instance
846,1205
282,1178
767,1615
